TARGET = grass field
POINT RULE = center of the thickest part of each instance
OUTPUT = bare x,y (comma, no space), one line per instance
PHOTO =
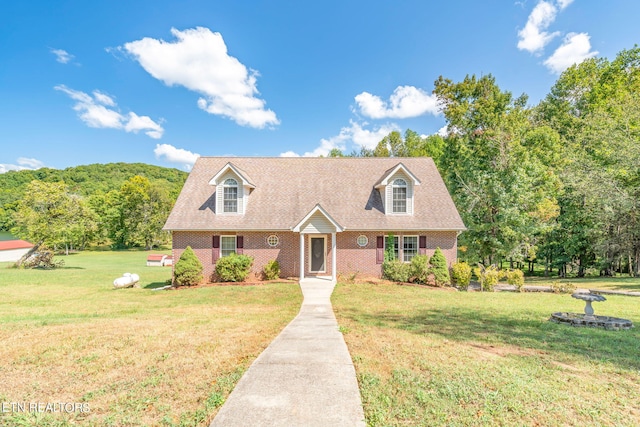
423,356
621,283
133,356
428,357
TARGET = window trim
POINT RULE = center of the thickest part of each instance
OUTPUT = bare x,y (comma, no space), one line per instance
366,241
396,185
276,243
235,244
226,185
416,249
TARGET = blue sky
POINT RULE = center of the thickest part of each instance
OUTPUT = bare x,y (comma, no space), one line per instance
162,82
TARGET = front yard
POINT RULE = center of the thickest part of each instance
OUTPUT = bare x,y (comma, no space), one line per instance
131,356
423,356
436,357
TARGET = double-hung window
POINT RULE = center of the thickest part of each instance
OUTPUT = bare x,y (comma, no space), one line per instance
227,245
409,247
230,196
399,192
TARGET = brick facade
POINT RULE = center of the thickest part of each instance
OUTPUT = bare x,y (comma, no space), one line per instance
351,258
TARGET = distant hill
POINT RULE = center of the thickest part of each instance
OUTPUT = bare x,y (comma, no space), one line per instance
87,180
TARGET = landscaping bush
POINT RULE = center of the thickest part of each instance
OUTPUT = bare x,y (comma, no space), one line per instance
389,252
234,268
488,277
271,270
516,278
563,288
395,270
439,268
188,269
461,274
419,269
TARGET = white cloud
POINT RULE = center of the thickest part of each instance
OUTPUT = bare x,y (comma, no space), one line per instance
62,56
575,48
176,155
94,111
354,133
137,123
289,154
30,163
365,138
199,61
23,164
404,102
103,98
533,38
564,3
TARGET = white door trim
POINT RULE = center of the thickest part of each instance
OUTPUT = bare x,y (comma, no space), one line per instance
324,252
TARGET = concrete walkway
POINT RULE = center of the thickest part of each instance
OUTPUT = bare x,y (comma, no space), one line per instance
304,378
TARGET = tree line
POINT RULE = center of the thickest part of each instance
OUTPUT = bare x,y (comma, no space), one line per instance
557,183
122,205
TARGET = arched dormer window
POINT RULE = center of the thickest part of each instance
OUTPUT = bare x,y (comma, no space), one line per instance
230,195
399,191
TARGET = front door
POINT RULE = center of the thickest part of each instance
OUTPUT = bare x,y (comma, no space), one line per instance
317,255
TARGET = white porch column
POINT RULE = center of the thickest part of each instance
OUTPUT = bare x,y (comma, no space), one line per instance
301,256
334,273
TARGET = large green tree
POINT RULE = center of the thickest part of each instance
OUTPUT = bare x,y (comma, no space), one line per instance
411,145
594,106
494,169
48,213
136,213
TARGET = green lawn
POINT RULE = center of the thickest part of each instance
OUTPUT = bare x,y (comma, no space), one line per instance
423,356
134,356
429,357
623,283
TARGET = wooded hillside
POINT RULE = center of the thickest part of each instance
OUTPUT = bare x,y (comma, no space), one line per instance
123,204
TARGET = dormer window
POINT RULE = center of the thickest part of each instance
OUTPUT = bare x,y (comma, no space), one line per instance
230,196
399,191
233,187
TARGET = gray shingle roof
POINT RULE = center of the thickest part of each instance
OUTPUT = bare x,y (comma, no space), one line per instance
288,188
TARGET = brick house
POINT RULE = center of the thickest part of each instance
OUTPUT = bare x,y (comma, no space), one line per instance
315,216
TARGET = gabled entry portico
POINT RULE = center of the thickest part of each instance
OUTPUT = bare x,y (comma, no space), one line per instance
315,229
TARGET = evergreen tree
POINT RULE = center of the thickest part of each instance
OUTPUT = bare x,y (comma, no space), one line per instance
188,269
439,268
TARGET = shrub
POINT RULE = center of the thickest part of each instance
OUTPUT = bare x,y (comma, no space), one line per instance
439,268
188,269
515,277
271,270
488,277
395,270
461,274
234,268
389,252
419,269
563,288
